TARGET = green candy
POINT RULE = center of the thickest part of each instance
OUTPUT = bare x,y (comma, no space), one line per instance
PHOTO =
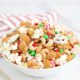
68,37
56,32
45,36
33,53
41,25
29,51
61,50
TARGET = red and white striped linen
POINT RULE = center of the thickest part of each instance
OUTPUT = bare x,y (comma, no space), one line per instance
8,22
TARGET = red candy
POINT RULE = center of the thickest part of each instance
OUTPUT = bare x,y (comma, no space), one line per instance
34,45
52,63
49,34
56,50
19,52
35,23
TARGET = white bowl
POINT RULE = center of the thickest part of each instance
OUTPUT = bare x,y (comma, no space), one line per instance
56,71
66,68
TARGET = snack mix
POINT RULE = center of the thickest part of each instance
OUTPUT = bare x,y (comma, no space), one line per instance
39,45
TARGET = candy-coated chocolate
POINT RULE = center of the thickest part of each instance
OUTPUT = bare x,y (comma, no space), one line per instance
41,25
46,36
61,50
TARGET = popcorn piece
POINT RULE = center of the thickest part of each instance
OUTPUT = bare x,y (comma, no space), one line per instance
64,57
6,53
37,33
18,60
58,28
62,60
14,47
23,30
38,57
13,57
41,64
75,49
29,57
13,38
35,21
4,47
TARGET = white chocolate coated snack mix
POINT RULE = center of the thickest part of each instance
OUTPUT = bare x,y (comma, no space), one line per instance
39,45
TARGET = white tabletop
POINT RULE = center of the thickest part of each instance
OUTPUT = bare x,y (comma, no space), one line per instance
68,9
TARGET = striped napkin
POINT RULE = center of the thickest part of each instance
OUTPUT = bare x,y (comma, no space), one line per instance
8,22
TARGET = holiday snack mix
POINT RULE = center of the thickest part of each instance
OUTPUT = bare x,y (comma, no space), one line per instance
39,45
